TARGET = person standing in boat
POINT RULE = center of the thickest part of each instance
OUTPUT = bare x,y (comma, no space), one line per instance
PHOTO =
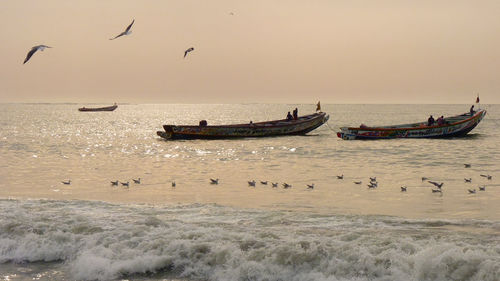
440,120
430,121
472,111
295,114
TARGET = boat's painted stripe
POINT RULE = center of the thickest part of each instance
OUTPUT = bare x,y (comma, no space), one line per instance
477,115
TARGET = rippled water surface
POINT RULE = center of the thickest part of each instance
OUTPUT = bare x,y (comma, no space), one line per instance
151,231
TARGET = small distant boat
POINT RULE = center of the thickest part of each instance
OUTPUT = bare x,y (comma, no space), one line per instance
301,126
106,108
454,126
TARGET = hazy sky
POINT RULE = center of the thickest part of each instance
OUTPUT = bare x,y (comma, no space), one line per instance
269,51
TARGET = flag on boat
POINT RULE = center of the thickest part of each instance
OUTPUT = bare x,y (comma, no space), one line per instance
318,106
477,99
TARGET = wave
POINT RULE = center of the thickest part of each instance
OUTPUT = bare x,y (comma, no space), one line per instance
102,241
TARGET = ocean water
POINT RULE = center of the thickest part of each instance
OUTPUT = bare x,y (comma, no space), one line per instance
91,230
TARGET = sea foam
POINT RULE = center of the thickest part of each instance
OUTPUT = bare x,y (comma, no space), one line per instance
101,241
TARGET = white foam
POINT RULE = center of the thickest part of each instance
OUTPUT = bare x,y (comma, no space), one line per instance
99,241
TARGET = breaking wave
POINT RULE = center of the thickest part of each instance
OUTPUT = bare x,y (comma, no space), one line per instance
102,241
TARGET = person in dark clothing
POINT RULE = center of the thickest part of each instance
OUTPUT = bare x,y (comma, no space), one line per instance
295,114
289,116
472,111
430,121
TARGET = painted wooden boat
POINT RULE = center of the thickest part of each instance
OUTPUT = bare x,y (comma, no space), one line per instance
455,126
106,108
302,125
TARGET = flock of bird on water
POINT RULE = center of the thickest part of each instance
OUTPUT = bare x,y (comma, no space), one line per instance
373,183
126,32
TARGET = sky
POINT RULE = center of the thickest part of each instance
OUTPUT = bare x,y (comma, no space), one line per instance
254,51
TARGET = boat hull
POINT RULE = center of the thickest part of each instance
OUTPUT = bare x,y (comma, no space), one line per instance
302,126
90,109
460,128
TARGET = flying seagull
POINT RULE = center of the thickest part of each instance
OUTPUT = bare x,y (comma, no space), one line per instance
33,50
214,181
126,32
438,185
66,182
187,51
486,176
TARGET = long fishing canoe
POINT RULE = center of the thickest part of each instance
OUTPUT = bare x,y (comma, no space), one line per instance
454,126
106,108
301,126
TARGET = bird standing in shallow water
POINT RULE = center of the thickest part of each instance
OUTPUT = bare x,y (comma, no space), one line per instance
33,50
126,32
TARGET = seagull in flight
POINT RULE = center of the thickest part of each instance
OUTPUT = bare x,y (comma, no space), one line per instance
214,181
187,51
126,32
403,189
438,185
486,176
33,50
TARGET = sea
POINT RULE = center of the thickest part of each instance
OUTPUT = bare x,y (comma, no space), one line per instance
195,230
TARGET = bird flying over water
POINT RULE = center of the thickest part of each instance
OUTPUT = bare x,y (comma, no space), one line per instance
467,165
214,181
403,189
275,184
310,186
126,32
138,181
187,51
468,180
251,183
33,50
486,176
438,185
66,182
114,182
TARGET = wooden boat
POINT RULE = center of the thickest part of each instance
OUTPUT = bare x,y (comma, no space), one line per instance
106,108
302,125
455,126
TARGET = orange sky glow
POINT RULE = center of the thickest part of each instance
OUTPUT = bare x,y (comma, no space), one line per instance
277,51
